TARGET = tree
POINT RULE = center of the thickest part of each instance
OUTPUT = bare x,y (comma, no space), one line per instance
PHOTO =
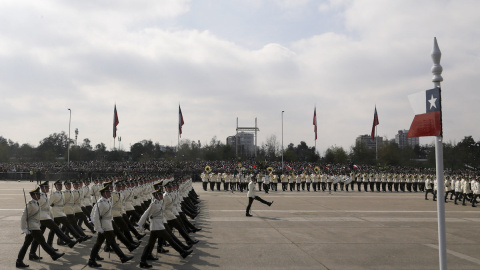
360,154
272,148
86,144
336,155
54,146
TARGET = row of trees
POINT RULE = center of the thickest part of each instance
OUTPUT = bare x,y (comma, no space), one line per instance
466,153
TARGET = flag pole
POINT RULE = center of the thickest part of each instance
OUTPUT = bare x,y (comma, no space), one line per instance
442,246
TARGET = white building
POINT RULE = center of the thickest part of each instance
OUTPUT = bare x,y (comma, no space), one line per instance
246,143
403,141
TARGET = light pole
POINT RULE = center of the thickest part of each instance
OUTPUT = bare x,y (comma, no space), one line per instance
68,144
282,141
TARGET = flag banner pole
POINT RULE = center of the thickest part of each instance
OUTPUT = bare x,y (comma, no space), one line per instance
442,245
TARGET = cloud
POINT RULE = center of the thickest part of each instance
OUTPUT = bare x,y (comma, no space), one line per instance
147,58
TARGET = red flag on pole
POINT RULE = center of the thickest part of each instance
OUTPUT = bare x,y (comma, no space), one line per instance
115,121
375,123
427,106
315,122
180,121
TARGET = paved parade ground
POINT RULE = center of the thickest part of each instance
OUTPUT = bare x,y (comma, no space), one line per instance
301,230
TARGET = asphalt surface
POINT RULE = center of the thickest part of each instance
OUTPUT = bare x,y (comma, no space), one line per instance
301,230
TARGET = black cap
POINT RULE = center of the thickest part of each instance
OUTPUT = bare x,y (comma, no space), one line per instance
105,189
44,184
35,191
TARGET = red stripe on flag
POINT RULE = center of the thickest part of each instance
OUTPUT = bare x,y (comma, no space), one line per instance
428,124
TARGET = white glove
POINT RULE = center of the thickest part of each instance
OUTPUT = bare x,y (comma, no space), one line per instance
100,230
26,231
140,228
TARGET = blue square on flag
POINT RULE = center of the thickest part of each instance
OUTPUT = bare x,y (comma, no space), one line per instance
433,100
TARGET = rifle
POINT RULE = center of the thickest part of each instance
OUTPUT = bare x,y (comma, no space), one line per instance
26,209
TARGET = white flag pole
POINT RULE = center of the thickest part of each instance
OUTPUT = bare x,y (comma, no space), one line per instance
442,246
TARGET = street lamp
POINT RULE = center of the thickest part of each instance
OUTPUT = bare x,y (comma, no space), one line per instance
68,144
282,141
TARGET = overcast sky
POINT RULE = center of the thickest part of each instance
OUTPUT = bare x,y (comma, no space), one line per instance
225,59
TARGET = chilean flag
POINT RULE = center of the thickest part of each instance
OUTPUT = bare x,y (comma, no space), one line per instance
375,123
427,106
315,122
115,121
180,121
288,167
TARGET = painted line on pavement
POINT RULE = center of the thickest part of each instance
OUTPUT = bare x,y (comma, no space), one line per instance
332,219
457,254
341,211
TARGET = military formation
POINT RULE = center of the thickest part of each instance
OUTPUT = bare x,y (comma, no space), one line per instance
458,187
111,208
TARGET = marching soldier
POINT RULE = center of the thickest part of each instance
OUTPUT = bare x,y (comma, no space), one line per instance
284,180
251,196
429,188
467,190
68,208
458,189
57,202
102,220
155,213
47,222
170,214
476,191
266,182
77,205
308,181
30,225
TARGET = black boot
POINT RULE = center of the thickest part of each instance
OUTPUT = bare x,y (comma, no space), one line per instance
93,263
57,256
126,259
144,264
20,264
151,258
186,253
34,257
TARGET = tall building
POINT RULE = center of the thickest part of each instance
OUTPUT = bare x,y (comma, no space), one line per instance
371,144
246,143
403,141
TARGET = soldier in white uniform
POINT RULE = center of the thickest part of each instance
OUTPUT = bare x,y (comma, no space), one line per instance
47,222
57,202
291,181
467,190
102,221
251,196
266,182
77,205
458,190
212,179
298,181
155,212
448,187
68,208
428,188
30,226
476,191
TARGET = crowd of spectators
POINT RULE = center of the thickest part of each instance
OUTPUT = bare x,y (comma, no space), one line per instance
57,170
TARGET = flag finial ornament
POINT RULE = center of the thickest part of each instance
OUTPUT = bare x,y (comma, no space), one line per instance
436,68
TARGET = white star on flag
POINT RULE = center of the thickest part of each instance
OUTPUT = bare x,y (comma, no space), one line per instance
432,101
